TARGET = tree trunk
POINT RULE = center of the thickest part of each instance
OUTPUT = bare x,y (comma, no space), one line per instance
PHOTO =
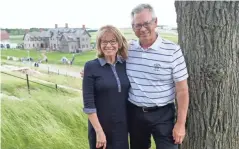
209,37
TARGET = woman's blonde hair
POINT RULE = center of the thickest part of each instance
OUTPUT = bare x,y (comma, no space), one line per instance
123,44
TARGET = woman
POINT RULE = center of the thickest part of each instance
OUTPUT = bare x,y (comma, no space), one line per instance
105,91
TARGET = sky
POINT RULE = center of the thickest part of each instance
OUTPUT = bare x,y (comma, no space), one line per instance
91,13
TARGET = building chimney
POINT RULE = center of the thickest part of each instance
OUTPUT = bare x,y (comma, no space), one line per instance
83,26
41,29
56,26
26,31
66,25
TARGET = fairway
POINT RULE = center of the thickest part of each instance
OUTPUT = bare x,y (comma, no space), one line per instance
53,57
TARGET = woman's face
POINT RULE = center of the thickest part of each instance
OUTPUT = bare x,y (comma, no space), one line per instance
109,45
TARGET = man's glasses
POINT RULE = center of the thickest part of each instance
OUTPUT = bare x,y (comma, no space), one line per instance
105,42
145,24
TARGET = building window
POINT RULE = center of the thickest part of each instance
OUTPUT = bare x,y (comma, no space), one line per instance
83,39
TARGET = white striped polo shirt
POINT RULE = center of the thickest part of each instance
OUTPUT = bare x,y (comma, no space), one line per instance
153,72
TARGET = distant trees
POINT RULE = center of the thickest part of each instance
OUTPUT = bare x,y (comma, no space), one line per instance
20,31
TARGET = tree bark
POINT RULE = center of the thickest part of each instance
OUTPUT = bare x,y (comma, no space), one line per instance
208,33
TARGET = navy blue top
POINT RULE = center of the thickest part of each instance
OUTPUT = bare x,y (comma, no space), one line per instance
105,91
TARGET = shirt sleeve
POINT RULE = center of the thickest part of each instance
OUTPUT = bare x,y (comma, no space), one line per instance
180,72
88,90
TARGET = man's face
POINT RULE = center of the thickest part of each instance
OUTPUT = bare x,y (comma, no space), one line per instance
144,25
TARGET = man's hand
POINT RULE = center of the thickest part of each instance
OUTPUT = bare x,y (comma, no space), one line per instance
82,73
182,108
179,133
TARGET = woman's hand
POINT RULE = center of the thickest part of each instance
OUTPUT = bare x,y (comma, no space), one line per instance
100,135
100,139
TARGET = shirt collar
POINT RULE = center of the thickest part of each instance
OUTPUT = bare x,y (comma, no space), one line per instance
103,61
154,46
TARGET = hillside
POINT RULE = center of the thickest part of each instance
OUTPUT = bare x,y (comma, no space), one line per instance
43,119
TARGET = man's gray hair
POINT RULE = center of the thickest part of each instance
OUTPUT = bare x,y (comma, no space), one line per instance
140,8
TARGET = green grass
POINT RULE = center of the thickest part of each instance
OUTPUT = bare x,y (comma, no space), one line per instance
53,57
73,68
62,80
45,119
52,78
170,37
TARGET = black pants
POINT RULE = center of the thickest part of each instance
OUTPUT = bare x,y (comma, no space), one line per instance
159,123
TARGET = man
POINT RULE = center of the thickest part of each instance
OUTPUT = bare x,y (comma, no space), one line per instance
158,74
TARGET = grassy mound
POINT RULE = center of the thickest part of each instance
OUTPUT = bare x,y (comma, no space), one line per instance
45,119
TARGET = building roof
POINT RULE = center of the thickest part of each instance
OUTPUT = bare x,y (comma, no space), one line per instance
71,34
35,34
39,34
4,35
61,30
